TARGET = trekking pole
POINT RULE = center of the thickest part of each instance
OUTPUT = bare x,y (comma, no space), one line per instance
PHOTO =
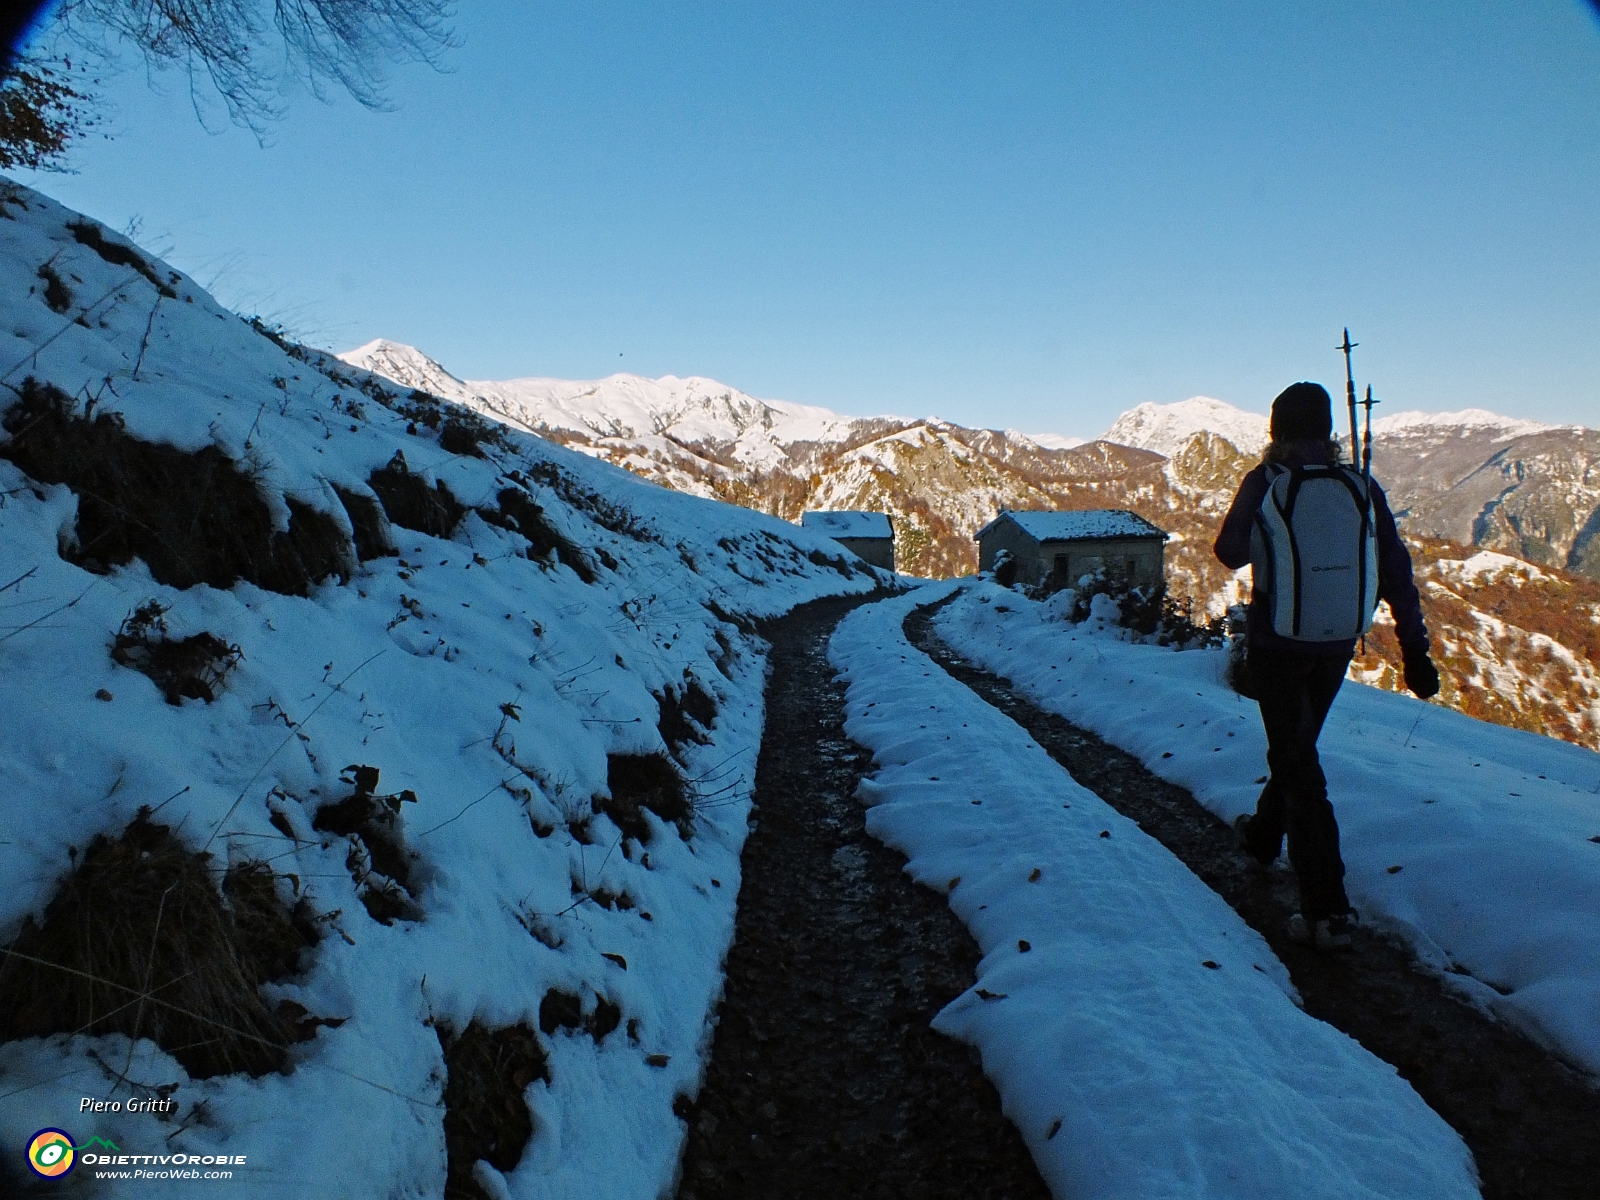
1366,446
1350,389
1366,476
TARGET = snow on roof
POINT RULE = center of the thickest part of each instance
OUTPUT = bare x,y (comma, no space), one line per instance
1073,526
849,524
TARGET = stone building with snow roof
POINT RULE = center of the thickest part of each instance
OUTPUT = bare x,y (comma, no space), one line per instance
1064,546
868,535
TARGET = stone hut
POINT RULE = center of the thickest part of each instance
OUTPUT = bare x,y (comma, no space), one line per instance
1061,547
867,535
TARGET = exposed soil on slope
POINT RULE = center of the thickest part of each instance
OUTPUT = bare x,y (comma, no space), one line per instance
1532,1122
825,1080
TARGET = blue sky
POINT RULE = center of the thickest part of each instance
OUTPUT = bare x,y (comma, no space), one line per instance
1023,215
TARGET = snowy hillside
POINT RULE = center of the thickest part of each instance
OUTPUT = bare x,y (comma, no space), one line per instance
1471,843
395,764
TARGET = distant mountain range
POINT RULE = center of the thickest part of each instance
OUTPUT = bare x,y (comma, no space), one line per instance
1518,646
1473,477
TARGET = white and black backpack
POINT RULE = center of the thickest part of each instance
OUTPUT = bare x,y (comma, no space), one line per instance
1313,554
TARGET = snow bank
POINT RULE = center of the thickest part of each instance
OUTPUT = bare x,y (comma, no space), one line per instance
1473,841
1143,1038
490,682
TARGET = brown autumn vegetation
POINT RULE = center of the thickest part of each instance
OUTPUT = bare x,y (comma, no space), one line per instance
1495,640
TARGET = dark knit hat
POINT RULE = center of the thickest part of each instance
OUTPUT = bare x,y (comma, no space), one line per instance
1302,411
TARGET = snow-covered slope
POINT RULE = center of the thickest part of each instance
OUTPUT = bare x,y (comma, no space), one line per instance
1471,842
1145,1040
483,712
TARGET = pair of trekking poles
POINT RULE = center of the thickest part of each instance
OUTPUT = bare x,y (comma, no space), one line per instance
1350,396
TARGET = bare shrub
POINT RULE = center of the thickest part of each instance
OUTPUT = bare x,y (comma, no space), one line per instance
1150,612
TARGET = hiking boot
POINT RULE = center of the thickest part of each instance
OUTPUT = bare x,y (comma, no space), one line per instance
1241,826
1330,934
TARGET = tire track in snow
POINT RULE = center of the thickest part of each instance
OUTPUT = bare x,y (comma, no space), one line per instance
1529,1119
825,1079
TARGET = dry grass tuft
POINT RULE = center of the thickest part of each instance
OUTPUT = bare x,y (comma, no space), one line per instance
410,502
56,292
685,718
486,1113
192,517
193,667
366,521
139,940
519,513
119,254
645,781
563,1010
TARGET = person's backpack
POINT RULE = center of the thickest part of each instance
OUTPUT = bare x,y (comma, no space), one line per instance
1313,553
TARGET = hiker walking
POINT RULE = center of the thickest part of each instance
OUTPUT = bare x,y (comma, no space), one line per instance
1323,550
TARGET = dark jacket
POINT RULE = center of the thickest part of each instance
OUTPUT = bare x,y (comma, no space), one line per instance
1395,585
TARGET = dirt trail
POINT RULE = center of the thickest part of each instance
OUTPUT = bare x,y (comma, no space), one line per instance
825,1080
1532,1123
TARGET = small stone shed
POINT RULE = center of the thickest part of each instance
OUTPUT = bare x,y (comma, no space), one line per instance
868,535
1064,546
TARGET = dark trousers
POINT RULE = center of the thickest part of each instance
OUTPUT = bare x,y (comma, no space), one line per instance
1295,692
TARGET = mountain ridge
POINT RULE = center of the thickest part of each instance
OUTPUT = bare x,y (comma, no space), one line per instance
1478,478
1517,648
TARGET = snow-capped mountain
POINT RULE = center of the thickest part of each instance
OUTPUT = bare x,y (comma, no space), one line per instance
1167,428
692,412
1464,421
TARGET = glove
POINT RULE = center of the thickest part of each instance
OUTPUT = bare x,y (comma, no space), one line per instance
1422,677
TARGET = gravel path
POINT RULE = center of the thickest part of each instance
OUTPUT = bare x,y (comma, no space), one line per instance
825,1080
1532,1122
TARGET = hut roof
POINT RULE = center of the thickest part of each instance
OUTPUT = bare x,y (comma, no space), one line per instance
848,524
1079,526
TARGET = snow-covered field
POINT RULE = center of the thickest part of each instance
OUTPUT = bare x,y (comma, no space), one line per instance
1143,1038
1478,844
491,682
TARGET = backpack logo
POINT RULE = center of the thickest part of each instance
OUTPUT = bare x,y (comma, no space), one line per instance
1313,554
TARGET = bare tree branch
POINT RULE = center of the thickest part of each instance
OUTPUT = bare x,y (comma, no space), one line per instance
244,48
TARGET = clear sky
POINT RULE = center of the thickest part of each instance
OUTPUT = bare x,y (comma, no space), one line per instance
1011,215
